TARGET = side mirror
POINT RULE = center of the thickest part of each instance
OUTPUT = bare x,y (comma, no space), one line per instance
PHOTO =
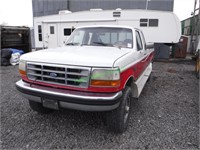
149,45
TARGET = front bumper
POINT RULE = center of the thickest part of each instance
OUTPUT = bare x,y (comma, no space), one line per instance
77,100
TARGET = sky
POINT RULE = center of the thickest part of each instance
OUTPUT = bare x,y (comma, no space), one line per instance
19,12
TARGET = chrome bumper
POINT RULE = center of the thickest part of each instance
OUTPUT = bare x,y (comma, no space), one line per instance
77,100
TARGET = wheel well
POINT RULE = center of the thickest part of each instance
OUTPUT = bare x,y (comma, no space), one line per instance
129,82
133,86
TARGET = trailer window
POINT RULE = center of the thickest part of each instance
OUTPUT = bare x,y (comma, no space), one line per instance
143,22
51,29
153,22
39,32
148,22
67,31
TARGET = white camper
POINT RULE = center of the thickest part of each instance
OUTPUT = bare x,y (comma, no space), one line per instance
158,26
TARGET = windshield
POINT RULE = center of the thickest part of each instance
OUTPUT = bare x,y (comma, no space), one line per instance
102,36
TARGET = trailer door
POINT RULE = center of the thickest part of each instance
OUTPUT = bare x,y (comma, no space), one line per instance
52,36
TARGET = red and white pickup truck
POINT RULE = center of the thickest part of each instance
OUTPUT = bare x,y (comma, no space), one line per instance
101,68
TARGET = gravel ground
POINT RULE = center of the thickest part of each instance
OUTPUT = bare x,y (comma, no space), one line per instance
166,116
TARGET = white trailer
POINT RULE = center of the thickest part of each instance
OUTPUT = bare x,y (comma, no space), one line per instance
157,26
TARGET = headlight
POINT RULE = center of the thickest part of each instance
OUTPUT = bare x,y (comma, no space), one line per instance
22,67
105,77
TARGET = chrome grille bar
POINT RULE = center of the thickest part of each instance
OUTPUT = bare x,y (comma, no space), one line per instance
59,74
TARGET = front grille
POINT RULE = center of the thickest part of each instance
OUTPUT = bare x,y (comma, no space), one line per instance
59,74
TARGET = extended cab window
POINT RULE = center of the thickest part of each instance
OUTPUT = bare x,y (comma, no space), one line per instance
102,36
138,41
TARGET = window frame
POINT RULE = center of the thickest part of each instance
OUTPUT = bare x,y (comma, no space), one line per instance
137,34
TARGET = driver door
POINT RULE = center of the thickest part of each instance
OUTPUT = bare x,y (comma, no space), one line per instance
141,53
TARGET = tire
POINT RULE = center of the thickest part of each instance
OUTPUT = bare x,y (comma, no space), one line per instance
117,120
6,53
39,108
5,62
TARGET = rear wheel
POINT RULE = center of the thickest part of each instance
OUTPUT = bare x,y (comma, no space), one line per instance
39,108
117,120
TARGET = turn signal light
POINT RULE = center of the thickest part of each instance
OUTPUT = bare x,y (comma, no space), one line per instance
113,83
22,72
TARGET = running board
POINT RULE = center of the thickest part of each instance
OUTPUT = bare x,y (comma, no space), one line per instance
139,84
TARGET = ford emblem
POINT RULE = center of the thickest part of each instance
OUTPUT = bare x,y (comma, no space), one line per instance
52,74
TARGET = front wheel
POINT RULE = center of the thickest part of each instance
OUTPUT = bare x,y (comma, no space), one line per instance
117,120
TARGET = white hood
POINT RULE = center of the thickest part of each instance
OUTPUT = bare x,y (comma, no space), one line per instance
95,56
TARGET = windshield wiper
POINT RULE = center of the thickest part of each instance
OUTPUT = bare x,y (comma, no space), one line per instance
103,44
72,43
